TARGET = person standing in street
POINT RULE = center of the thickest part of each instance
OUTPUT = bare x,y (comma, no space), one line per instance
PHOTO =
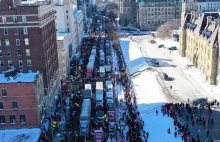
207,133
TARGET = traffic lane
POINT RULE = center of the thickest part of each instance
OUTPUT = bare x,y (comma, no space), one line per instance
182,88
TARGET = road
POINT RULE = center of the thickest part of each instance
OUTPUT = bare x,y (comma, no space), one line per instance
183,85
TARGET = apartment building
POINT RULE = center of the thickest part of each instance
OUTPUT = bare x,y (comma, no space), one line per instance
28,41
153,13
22,101
199,36
128,12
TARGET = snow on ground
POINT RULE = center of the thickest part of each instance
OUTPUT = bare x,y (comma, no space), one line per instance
149,96
20,135
196,74
132,56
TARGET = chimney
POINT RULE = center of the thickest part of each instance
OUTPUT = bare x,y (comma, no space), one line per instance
216,22
193,15
209,20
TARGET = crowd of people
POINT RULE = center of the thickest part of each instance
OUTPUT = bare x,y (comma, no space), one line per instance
186,116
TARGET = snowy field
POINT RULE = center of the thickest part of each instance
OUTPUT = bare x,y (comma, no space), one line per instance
20,135
149,99
149,96
133,56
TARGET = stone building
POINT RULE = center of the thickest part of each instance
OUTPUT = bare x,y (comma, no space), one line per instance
22,101
199,43
128,12
28,41
153,13
199,6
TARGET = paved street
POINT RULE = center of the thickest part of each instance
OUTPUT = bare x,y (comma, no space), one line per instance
183,85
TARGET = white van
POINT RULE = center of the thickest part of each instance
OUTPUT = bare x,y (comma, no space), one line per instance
109,86
102,71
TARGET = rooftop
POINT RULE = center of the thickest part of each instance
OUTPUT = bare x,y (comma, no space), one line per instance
61,36
20,135
19,77
36,2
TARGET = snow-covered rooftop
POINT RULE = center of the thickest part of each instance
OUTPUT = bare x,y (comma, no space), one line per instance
20,135
133,56
61,36
20,77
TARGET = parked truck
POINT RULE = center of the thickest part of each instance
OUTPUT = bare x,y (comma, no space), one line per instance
85,116
99,94
90,68
88,91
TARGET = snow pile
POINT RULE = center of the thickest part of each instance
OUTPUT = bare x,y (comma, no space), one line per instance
20,135
133,57
150,98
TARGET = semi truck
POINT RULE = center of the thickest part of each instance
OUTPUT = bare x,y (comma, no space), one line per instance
85,116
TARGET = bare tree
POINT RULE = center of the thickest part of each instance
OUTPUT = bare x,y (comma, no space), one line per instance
112,11
165,30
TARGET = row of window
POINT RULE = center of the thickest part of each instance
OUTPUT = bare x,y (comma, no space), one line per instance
12,119
7,42
19,52
16,31
20,63
14,105
15,19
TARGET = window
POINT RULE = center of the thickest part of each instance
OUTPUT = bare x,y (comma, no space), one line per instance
1,63
66,11
5,31
24,20
7,42
2,119
29,63
1,105
20,63
67,24
12,119
25,30
15,104
17,42
3,19
26,41
1,53
8,53
9,63
22,119
27,52
15,19
16,31
67,17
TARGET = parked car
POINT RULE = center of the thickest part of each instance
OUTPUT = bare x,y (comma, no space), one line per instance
164,76
152,41
172,48
161,46
199,101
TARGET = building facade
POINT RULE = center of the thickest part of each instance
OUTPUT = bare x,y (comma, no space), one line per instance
28,41
128,12
153,13
78,16
64,56
199,6
22,101
199,36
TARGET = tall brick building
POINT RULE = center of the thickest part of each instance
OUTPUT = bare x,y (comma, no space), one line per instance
28,41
